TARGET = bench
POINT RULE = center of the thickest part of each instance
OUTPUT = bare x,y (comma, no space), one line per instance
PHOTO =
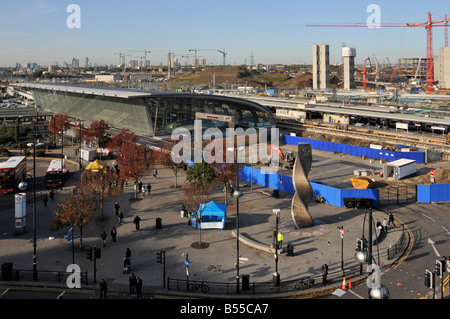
247,240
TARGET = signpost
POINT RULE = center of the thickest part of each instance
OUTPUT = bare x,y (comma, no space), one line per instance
341,233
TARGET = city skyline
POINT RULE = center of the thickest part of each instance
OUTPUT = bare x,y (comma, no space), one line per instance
38,31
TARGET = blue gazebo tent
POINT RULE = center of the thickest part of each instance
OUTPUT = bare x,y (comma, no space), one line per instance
213,215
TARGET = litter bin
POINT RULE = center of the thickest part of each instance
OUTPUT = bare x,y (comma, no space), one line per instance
7,272
158,223
245,282
290,250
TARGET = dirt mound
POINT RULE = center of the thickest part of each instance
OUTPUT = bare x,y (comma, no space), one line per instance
441,176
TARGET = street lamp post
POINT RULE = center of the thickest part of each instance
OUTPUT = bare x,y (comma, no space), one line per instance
276,275
24,186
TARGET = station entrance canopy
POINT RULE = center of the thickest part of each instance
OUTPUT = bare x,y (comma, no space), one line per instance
150,113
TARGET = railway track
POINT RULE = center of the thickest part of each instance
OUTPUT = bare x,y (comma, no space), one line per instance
375,136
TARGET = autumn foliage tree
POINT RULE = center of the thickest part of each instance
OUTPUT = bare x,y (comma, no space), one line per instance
134,160
75,209
95,132
59,123
224,171
165,157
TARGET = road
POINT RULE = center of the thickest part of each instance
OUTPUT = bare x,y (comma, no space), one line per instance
405,280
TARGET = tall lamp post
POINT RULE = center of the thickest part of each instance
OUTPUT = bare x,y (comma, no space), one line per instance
24,186
237,193
62,157
276,275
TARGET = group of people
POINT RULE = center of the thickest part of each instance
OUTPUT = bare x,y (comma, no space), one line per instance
387,222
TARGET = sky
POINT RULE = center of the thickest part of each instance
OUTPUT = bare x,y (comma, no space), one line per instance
270,31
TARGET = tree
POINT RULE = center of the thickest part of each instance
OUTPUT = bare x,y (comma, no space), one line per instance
201,175
225,172
95,132
101,183
164,156
134,161
194,195
59,123
75,209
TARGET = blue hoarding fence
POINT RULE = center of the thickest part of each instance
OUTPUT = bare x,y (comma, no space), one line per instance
353,150
332,195
433,193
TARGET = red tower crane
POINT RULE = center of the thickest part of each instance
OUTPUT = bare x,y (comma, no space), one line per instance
429,24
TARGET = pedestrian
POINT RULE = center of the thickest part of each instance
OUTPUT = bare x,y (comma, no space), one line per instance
384,224
103,288
114,234
149,188
132,281
120,217
45,200
324,274
280,240
155,173
143,192
103,237
117,207
137,221
140,186
138,286
128,253
391,219
274,237
51,195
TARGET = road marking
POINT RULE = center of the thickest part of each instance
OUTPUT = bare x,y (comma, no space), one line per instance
60,295
428,217
4,292
360,297
446,230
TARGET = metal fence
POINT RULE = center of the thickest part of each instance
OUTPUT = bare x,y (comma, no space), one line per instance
400,245
247,287
397,195
11,274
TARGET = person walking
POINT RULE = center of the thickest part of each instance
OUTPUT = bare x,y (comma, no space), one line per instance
140,186
45,200
137,221
114,234
280,240
128,253
149,188
138,287
103,237
143,192
132,281
384,224
155,173
391,219
120,217
116,207
103,288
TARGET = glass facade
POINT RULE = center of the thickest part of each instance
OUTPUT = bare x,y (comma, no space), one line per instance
155,113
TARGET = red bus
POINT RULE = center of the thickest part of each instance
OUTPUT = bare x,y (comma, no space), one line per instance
53,176
12,173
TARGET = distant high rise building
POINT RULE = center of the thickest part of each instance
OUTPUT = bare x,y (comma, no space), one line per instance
86,63
75,63
203,62
321,67
442,68
134,64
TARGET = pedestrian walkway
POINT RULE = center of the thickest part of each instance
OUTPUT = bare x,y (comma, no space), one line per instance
312,247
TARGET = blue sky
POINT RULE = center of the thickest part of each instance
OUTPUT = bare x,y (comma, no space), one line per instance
275,32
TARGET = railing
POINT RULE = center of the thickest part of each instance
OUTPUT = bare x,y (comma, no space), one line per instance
400,245
247,287
42,276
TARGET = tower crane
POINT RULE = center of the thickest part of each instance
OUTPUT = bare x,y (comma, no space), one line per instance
429,24
365,68
223,53
145,55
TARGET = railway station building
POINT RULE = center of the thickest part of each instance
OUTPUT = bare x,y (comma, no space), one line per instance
149,113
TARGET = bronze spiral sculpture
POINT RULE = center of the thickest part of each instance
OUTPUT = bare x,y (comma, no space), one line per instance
303,189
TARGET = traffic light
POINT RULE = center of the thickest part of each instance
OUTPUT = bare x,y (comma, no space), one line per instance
89,253
97,252
361,244
440,267
159,257
429,279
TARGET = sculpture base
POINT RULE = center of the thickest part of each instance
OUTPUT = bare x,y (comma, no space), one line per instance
287,225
